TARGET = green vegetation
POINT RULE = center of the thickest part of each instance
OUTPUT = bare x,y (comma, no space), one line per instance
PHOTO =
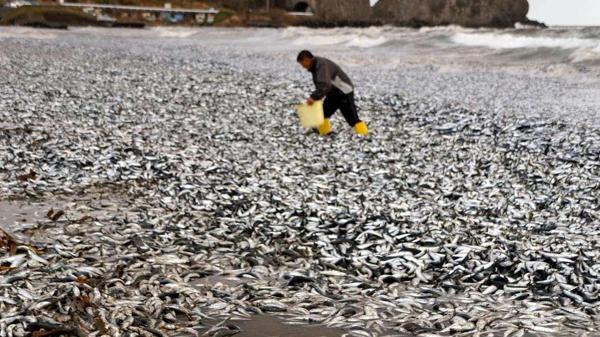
223,15
48,16
462,3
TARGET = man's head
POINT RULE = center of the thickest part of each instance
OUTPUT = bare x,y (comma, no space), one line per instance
306,59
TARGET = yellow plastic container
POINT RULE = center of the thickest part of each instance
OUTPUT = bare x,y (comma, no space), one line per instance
311,116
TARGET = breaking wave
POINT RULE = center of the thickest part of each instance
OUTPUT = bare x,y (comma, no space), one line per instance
350,37
175,32
506,41
366,42
569,44
347,40
583,48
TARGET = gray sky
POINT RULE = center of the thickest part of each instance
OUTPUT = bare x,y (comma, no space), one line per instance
566,12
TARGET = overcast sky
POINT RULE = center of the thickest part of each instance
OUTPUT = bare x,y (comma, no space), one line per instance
566,12
563,12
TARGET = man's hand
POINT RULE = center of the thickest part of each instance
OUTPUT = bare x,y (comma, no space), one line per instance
310,101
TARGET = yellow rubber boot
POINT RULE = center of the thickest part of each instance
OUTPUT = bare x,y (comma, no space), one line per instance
361,128
325,128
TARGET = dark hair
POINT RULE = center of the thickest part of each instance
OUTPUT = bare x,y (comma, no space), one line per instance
304,55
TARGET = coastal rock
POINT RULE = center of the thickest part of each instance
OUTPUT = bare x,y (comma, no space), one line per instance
412,13
344,12
470,13
417,13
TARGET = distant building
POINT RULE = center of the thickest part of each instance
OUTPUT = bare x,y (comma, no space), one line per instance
109,13
19,3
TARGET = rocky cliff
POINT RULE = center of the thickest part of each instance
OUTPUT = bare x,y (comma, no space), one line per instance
470,13
343,12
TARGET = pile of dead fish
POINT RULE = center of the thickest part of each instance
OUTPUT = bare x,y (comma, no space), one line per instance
218,206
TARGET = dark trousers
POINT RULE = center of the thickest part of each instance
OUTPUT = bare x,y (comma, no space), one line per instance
343,102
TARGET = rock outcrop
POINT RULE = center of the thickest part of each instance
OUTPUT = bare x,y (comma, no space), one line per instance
344,12
413,13
416,13
469,13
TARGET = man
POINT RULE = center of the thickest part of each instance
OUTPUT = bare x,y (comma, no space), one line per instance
336,87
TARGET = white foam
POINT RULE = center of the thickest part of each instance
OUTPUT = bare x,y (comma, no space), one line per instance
524,26
175,32
444,29
582,49
321,40
507,41
585,54
350,37
366,42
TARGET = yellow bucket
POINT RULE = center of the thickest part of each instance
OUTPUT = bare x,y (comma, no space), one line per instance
311,116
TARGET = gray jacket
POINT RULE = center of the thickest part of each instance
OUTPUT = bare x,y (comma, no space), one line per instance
329,78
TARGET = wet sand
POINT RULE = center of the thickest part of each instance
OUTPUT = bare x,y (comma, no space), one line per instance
271,326
17,216
266,325
30,220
